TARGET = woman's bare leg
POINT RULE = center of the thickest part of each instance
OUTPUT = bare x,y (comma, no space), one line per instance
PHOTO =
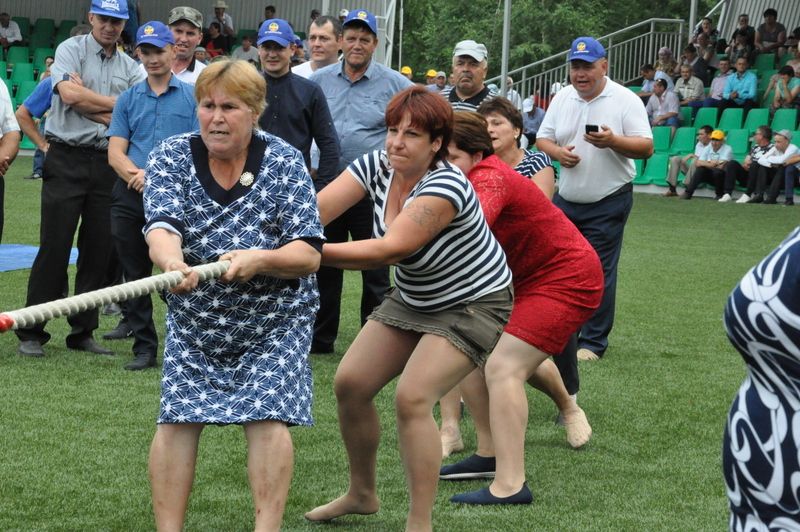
547,379
476,397
511,363
377,355
434,368
173,455
270,458
450,433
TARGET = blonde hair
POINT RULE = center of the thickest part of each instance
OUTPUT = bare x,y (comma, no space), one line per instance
237,78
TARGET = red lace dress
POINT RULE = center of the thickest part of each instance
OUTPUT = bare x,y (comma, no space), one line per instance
558,279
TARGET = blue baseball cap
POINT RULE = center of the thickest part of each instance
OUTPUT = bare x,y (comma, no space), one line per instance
110,8
276,29
586,49
364,17
155,33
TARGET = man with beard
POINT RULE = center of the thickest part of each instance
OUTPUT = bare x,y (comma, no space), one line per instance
469,71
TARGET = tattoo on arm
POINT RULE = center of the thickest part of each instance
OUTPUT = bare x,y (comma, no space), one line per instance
427,218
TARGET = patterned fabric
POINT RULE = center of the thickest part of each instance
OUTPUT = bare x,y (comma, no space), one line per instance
235,352
533,162
470,104
761,449
463,262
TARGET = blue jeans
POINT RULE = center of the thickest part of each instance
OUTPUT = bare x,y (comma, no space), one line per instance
38,157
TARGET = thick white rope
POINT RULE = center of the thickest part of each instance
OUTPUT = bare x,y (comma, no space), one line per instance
28,316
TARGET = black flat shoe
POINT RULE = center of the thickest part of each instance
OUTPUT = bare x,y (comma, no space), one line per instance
142,361
120,332
90,346
30,348
484,496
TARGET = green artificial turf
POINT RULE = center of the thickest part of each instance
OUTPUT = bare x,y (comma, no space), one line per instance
75,428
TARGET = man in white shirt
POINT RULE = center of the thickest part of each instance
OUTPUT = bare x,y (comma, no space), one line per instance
512,95
186,24
9,31
663,107
773,164
717,87
689,88
9,143
594,128
247,52
711,166
746,173
324,42
686,164
224,19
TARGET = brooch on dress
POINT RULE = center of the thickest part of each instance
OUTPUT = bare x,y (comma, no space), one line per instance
246,179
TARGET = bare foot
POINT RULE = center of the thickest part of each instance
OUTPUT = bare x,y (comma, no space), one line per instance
344,505
578,429
587,354
451,441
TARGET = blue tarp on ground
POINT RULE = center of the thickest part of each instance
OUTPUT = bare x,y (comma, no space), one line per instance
20,257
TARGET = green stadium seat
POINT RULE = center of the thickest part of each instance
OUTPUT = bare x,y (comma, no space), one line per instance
3,70
706,116
26,143
39,40
242,32
24,89
686,116
731,119
684,141
785,59
661,138
764,62
636,88
784,119
655,171
67,25
640,178
22,72
796,138
45,26
40,54
758,116
24,24
18,54
739,141
9,86
300,34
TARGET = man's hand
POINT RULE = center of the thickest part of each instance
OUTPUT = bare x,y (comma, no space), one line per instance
5,162
136,179
567,158
600,139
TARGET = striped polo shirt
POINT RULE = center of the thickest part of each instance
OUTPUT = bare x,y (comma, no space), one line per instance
469,104
463,262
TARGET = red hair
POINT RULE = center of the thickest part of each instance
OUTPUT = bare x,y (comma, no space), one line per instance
427,111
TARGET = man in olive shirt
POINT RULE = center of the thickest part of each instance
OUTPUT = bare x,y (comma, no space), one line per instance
77,179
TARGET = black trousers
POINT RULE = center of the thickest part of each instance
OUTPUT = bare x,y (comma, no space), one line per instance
127,220
76,189
567,364
355,223
736,174
772,180
703,174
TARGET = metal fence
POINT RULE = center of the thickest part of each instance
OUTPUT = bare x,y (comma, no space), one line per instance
627,50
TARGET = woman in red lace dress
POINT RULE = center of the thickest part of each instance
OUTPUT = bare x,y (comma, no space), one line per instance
558,283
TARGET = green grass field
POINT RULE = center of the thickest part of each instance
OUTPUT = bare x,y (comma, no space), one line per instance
75,429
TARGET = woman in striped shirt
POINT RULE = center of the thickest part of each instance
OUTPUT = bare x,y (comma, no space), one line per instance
452,298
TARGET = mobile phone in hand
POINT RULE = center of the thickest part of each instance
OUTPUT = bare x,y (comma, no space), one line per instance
590,128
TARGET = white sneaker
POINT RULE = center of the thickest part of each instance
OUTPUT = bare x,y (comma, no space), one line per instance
744,199
725,198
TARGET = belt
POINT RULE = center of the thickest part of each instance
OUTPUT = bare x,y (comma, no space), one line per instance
70,147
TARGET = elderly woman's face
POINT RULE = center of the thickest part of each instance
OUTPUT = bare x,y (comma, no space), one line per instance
503,133
226,124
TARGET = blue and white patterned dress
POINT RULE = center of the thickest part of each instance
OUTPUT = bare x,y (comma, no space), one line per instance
235,352
761,449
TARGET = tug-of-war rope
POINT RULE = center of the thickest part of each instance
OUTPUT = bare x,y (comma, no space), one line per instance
68,306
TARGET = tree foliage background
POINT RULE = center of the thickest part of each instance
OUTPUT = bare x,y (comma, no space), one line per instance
539,28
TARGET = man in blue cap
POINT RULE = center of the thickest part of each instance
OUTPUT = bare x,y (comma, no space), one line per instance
595,128
145,114
297,110
77,180
358,90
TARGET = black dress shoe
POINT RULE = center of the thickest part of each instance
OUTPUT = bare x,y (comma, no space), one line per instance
90,346
120,332
756,198
142,361
30,348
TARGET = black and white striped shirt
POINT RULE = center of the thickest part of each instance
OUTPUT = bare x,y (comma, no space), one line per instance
463,262
470,104
532,163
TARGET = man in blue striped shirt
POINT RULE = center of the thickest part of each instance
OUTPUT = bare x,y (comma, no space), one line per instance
145,114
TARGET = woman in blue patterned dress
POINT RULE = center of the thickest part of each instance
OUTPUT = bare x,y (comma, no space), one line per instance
452,298
236,349
761,449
